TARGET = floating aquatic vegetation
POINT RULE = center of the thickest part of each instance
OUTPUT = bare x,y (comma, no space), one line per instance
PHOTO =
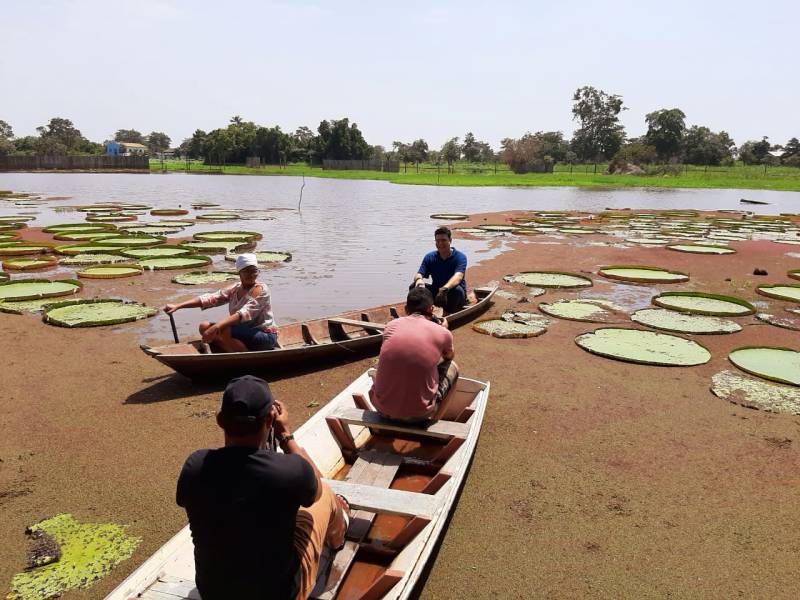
266,256
171,223
88,552
30,264
28,289
4,277
151,230
550,279
783,322
16,218
175,262
501,228
115,218
169,212
776,364
469,230
75,227
450,216
701,249
786,291
578,310
203,277
227,236
642,274
220,216
794,273
644,347
89,236
22,248
90,248
111,271
651,241
578,230
699,303
202,204
19,307
156,252
12,226
507,295
95,313
9,237
785,241
134,241
219,246
502,328
753,393
92,259
669,320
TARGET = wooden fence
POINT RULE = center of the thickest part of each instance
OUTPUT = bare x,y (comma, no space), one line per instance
388,166
74,163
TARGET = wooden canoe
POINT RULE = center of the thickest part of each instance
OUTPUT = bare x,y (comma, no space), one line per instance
310,344
401,482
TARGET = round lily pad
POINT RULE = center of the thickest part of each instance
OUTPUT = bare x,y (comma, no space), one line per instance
450,216
219,216
16,218
83,227
754,393
171,223
228,236
169,212
90,248
30,264
4,277
203,277
21,307
88,236
776,364
644,347
476,231
156,252
785,291
219,246
8,237
498,227
133,241
791,323
698,303
669,320
12,226
577,310
642,274
265,256
95,313
92,259
25,248
151,230
701,249
175,262
115,218
550,279
578,230
111,271
28,289
502,328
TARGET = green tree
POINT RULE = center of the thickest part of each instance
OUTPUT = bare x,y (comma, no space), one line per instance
302,144
470,149
129,135
633,153
418,151
272,145
5,131
450,153
195,145
158,142
665,131
701,146
553,145
755,152
340,140
600,134
792,148
60,136
526,155
486,153
218,144
6,139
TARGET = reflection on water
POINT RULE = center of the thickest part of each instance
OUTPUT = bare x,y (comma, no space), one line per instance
356,243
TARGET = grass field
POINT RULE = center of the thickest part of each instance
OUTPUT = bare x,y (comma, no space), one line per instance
743,177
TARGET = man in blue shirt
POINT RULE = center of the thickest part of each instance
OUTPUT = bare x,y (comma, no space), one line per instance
446,267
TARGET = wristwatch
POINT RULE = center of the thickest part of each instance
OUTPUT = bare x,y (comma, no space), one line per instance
285,437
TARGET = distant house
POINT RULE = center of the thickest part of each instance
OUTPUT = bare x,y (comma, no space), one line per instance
125,149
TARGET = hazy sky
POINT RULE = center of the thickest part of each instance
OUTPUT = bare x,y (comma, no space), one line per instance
400,70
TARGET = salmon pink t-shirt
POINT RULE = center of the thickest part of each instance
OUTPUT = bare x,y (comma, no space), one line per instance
407,380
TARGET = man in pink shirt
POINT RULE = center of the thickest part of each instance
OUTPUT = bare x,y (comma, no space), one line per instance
415,369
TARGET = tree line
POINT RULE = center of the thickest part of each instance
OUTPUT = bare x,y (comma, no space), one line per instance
599,138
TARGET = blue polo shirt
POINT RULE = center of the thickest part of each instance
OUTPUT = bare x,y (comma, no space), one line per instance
442,269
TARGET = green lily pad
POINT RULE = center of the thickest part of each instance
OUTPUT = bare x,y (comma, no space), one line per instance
88,552
95,313
669,320
24,248
219,246
642,274
578,310
786,291
550,279
171,223
498,227
156,252
75,227
4,277
28,289
91,248
30,264
92,259
502,328
111,271
776,364
265,256
8,237
644,347
450,216
16,218
175,262
698,303
169,212
753,393
151,230
701,249
20,307
133,241
86,236
204,277
219,216
227,236
113,218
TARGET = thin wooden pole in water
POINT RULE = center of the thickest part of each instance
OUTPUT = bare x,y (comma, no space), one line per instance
174,329
301,192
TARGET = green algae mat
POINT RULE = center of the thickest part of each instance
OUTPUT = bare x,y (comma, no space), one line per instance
698,303
203,277
95,313
702,249
30,264
266,256
29,289
550,279
754,393
642,274
644,347
176,262
670,320
787,291
775,364
72,555
111,271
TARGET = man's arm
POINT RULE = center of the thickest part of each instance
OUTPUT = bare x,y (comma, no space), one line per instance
288,444
454,280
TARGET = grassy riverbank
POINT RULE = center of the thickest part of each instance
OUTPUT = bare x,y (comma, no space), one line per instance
738,177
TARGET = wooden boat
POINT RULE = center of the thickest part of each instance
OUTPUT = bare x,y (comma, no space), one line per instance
350,335
401,482
746,201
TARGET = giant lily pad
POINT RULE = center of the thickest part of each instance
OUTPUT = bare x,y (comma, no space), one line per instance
175,262
669,320
642,274
83,227
30,264
266,256
133,241
111,218
88,552
4,277
28,289
95,313
25,248
791,323
204,277
16,218
86,236
20,307
698,303
754,393
91,248
8,237
502,328
644,347
786,291
92,259
219,246
227,236
156,252
550,279
775,364
578,310
450,216
498,227
702,249
171,223
169,212
111,271
220,216
151,230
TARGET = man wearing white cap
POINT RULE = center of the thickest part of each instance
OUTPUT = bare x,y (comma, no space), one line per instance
250,324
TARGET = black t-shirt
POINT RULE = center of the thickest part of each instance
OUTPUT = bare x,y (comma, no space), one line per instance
242,504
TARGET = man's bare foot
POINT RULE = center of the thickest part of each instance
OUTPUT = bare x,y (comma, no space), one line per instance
338,530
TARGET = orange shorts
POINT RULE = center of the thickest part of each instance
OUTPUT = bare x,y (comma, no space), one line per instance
309,538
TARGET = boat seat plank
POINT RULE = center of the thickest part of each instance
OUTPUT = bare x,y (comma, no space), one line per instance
385,501
178,588
308,337
365,324
373,420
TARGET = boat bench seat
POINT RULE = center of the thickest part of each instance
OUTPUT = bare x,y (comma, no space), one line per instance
369,418
384,500
168,587
364,324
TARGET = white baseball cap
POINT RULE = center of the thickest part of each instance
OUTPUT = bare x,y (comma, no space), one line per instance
246,260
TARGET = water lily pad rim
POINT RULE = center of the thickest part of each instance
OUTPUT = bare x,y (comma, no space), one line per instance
684,276
676,248
450,216
78,286
764,292
515,335
757,374
253,235
721,297
659,328
136,269
56,305
49,261
640,361
587,279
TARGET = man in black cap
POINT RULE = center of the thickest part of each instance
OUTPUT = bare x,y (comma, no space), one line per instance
259,519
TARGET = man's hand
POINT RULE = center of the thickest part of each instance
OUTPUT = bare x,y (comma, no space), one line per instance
210,334
281,423
170,308
441,297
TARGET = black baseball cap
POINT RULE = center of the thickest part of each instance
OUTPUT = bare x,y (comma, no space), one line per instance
246,399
